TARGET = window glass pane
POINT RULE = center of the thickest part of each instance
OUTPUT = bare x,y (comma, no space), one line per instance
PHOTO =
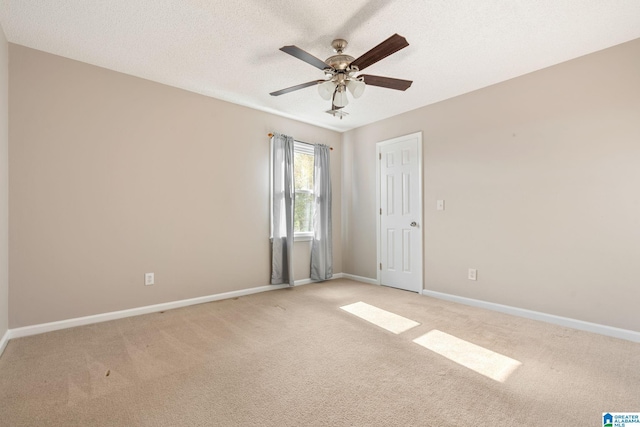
303,171
303,176
303,214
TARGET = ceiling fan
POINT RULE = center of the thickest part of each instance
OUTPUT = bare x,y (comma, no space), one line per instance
340,72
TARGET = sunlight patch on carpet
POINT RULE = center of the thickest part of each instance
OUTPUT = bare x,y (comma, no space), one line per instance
483,361
379,317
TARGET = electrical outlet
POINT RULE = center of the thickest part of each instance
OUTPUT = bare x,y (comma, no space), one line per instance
473,274
149,279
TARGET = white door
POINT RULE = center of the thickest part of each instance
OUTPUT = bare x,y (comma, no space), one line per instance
400,212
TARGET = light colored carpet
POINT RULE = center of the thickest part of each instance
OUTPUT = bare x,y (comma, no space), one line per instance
292,357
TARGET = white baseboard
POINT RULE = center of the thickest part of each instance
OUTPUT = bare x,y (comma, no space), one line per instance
309,281
611,331
4,341
360,279
97,318
104,317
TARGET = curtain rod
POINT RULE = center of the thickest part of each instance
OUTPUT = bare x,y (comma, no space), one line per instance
270,135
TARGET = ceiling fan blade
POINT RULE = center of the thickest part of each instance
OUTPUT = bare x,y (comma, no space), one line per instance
296,87
304,56
387,82
384,49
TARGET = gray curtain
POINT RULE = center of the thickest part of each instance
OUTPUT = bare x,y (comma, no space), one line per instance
322,245
282,214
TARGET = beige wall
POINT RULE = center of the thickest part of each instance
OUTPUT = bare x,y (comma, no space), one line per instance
4,183
540,177
113,176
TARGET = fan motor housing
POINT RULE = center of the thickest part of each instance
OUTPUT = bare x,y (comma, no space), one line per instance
339,62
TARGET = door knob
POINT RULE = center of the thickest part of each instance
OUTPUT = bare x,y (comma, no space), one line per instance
414,224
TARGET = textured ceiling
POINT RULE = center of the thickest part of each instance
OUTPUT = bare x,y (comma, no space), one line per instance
229,49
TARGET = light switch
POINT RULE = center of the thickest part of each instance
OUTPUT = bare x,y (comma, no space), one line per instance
149,279
440,205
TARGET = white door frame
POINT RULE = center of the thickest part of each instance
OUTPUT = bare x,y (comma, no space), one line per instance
379,145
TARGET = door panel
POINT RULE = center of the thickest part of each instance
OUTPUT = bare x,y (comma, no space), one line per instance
400,213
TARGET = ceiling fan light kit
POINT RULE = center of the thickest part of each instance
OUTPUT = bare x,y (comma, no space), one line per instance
356,87
326,89
340,99
341,69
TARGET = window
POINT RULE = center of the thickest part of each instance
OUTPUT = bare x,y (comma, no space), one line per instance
303,209
303,183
